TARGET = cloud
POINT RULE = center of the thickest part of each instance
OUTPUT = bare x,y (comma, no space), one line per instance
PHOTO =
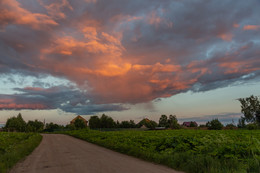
251,27
13,13
66,98
224,118
126,51
55,9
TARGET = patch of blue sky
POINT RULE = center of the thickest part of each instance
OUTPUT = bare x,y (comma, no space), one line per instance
10,81
194,104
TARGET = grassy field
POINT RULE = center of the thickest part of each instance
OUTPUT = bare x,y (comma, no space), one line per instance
15,146
187,150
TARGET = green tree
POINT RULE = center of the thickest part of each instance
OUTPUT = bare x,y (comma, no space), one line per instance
34,126
193,124
50,127
250,107
241,122
163,121
79,124
70,126
132,124
125,124
230,126
16,124
107,122
173,122
94,122
148,123
214,124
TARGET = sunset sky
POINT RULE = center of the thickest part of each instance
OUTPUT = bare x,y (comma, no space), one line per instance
128,59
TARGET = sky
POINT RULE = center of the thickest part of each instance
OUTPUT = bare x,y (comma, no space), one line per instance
128,59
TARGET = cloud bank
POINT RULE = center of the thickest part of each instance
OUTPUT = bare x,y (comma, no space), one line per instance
121,52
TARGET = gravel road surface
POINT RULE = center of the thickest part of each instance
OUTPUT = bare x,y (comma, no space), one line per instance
64,154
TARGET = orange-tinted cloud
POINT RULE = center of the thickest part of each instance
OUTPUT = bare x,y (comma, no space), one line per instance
129,52
226,37
11,104
55,9
238,67
22,106
11,12
235,25
251,27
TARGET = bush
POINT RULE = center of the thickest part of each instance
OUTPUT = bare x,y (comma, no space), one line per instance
230,126
214,125
15,124
252,126
79,124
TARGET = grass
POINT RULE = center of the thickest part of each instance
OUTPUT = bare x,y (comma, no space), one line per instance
196,151
15,146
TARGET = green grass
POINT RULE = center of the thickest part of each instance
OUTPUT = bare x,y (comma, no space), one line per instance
15,146
196,151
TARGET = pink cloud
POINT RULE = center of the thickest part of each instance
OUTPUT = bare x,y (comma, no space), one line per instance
12,12
11,104
22,106
235,25
124,52
251,27
238,67
55,9
226,36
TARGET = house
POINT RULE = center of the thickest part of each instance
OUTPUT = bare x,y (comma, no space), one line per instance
190,124
79,117
143,127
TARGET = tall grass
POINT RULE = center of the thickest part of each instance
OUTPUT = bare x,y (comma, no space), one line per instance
15,146
194,151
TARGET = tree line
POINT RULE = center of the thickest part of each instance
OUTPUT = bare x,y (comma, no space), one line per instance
250,107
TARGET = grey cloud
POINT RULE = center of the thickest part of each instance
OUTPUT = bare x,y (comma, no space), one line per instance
68,99
184,32
224,118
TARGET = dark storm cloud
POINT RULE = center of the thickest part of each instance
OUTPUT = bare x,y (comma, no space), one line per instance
128,51
68,99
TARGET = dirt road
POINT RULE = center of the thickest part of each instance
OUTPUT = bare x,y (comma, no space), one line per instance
65,154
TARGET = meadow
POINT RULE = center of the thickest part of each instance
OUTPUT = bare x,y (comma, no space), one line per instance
15,146
196,151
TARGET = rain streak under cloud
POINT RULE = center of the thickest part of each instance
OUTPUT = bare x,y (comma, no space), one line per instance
114,53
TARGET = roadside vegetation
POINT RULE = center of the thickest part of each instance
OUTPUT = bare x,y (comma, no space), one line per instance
15,146
194,151
188,147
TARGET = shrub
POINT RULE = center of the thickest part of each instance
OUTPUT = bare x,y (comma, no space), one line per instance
230,126
214,124
252,126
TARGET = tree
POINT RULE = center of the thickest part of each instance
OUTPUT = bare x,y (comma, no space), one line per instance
50,127
70,126
107,122
214,124
148,123
132,124
34,126
94,122
241,123
250,107
16,124
173,122
163,121
230,126
193,124
79,124
125,124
